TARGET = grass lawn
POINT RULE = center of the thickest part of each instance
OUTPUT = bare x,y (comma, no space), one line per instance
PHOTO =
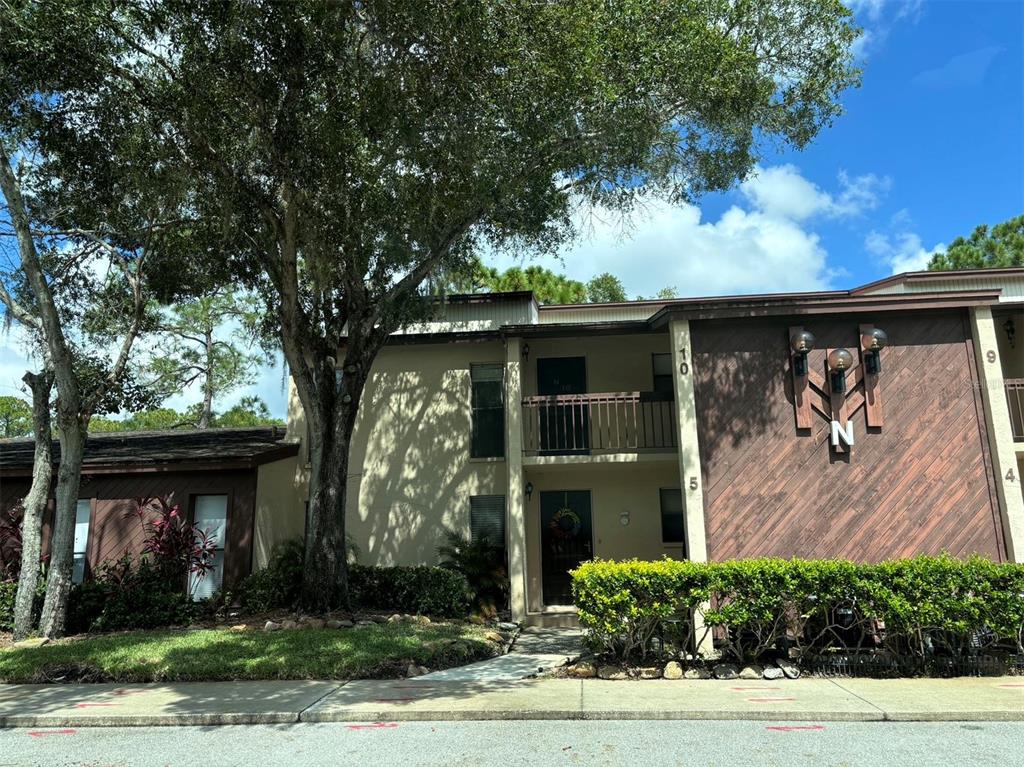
378,651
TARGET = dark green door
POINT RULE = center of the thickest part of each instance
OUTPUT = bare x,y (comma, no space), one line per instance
564,426
566,539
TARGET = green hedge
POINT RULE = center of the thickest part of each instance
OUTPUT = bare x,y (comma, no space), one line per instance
8,589
920,608
421,590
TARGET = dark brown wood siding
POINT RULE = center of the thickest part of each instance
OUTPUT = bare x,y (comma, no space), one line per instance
113,533
922,484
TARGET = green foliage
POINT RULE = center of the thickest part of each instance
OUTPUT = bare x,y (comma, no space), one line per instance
276,585
8,590
1002,245
421,590
483,565
15,417
250,411
605,288
128,595
916,608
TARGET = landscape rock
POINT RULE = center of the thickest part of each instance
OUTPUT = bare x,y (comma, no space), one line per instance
366,623
583,670
649,672
289,624
752,671
611,672
697,673
314,623
396,618
773,672
494,636
379,618
791,670
725,671
240,627
415,670
423,620
506,626
271,626
673,670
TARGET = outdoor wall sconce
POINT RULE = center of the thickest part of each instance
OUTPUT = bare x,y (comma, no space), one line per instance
1011,331
624,518
839,361
872,344
529,490
526,352
801,344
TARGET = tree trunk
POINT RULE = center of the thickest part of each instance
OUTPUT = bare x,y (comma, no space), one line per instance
35,502
331,422
62,544
207,415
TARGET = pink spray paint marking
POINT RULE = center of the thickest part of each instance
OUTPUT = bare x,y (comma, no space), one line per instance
95,705
768,700
796,728
754,689
1010,685
374,726
47,733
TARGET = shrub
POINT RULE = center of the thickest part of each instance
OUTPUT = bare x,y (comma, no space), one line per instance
920,609
177,547
483,565
276,585
8,589
623,605
423,590
128,595
10,544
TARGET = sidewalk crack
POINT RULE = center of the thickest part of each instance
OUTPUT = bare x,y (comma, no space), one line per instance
885,715
331,691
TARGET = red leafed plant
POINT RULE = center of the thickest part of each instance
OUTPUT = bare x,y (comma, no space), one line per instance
10,544
177,546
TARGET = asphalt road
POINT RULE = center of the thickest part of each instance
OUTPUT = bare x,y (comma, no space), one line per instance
548,743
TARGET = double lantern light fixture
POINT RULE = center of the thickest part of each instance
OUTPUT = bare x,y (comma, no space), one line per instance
840,360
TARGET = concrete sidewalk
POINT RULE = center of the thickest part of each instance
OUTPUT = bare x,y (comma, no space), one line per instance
812,700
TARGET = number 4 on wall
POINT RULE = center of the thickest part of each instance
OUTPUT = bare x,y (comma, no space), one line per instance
1010,476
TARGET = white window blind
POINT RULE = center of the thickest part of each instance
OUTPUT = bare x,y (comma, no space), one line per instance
211,516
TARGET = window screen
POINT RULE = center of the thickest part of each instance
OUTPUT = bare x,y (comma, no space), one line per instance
671,515
211,516
83,512
488,402
487,518
662,364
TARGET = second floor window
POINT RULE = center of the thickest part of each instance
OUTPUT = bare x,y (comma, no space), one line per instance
662,364
488,402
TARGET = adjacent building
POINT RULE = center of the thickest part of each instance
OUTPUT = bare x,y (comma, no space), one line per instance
878,422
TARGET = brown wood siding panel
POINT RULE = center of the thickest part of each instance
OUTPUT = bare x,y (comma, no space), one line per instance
114,532
920,485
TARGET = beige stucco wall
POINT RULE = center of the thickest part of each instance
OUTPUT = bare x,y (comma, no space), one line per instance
614,363
280,506
614,488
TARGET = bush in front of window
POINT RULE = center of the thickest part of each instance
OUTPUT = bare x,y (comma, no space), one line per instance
483,565
419,590
278,585
128,594
8,590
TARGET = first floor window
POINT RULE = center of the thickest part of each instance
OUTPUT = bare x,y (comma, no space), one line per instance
488,403
210,515
671,515
487,519
83,513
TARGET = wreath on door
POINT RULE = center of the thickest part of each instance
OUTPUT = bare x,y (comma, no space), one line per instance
565,523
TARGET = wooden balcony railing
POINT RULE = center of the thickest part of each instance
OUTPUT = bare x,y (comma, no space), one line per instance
584,423
1015,402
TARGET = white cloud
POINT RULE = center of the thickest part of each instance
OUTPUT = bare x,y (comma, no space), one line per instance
877,19
764,244
901,251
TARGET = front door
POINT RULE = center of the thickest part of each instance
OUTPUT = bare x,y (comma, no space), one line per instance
564,426
566,539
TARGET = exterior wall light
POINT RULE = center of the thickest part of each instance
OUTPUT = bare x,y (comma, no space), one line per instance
529,490
873,343
624,518
1011,332
801,344
839,361
526,352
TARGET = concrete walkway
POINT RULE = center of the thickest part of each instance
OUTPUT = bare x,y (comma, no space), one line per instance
534,651
808,700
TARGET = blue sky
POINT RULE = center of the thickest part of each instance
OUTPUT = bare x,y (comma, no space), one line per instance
931,145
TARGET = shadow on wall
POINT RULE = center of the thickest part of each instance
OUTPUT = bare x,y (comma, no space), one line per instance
416,473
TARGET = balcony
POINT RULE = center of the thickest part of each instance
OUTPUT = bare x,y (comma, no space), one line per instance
583,424
1015,403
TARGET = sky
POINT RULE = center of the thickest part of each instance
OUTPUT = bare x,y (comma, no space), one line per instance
930,146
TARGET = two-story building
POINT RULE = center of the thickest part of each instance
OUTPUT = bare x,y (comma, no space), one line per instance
878,422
